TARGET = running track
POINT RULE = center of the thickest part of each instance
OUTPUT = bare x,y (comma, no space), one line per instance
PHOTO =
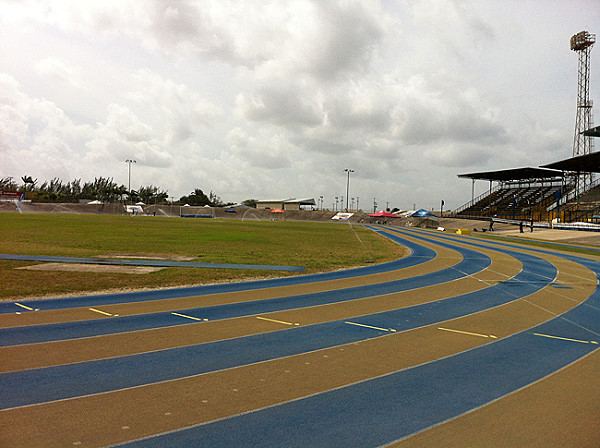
465,342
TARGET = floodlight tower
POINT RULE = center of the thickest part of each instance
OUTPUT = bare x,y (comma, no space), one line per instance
582,43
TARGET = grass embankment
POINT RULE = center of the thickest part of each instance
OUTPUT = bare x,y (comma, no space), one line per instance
317,246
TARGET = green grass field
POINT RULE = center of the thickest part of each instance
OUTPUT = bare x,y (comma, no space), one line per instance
319,247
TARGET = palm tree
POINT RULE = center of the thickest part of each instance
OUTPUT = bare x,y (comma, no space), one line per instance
28,180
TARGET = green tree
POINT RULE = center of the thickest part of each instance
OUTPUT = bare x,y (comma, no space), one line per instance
28,183
152,195
196,198
8,184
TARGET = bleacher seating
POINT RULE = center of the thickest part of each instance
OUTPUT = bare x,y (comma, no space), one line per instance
583,208
514,201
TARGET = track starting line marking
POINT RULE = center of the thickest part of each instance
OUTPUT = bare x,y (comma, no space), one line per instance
26,307
564,339
370,326
491,336
278,321
102,312
189,317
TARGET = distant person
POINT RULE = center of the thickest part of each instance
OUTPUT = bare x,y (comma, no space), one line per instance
491,224
521,227
531,226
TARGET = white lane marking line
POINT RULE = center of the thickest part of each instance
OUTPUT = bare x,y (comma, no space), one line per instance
277,321
102,312
469,333
189,317
564,339
370,326
26,307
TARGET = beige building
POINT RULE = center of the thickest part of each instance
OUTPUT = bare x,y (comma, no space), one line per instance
286,204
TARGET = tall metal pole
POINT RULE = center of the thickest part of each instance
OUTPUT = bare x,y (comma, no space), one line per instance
348,170
582,44
129,161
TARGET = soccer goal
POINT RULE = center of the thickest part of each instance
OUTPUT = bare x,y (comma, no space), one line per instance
196,212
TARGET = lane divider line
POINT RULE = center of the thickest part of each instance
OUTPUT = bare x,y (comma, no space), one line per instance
189,317
102,312
564,339
26,307
277,321
370,326
491,336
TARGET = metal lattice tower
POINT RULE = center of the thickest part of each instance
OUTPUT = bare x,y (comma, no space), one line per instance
582,43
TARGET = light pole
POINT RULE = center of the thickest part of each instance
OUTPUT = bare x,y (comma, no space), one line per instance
321,198
336,203
348,170
357,207
129,161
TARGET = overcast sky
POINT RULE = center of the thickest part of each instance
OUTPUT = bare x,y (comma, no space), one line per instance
274,99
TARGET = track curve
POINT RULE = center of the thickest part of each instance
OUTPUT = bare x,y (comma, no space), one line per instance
403,354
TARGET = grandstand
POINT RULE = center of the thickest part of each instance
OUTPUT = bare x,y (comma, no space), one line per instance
548,193
560,192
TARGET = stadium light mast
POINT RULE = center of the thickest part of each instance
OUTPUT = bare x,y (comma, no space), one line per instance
348,170
582,43
129,161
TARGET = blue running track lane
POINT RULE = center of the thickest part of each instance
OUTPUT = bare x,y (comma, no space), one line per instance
59,382
379,411
382,410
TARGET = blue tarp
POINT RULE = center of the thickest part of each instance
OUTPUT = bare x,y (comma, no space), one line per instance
421,213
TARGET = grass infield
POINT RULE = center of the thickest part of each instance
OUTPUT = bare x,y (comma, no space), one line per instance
317,246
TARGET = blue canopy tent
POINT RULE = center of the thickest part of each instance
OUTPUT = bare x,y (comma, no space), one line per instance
421,213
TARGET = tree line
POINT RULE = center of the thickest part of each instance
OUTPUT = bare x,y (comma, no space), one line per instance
104,190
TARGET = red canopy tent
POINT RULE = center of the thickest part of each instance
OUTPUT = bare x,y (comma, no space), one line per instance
276,210
383,214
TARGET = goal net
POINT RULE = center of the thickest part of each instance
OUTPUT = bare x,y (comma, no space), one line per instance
196,212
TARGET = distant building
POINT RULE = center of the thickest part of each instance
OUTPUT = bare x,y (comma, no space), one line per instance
286,204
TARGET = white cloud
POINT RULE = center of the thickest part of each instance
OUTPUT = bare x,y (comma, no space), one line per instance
270,152
57,70
180,108
253,98
125,136
281,105
35,132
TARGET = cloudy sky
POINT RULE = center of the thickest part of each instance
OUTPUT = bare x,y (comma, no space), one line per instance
273,99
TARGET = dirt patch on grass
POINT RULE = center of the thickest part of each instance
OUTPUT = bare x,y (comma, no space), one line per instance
148,257
82,267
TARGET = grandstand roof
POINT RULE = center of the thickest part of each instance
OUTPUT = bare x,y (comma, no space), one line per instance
588,163
527,173
592,132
